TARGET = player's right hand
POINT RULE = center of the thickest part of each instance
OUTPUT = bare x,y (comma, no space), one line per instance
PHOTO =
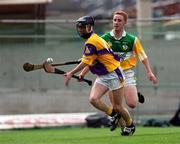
68,76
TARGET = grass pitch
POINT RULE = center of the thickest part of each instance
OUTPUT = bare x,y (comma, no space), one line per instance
143,135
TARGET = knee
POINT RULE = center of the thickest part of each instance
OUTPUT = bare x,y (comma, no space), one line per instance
132,105
117,107
93,100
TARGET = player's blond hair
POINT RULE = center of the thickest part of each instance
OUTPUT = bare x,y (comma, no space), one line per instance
122,13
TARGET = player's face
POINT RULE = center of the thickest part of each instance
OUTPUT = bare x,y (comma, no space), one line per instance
118,22
81,29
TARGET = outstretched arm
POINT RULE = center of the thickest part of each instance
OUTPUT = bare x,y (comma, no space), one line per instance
83,73
69,74
50,69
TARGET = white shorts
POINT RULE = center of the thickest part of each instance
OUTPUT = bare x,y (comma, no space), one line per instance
130,77
112,80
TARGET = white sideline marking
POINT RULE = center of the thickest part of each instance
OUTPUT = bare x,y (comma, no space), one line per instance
42,120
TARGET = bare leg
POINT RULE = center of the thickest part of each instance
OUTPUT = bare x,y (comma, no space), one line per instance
97,92
118,96
110,94
121,123
131,97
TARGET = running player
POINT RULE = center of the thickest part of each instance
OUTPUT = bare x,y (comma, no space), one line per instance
99,58
128,47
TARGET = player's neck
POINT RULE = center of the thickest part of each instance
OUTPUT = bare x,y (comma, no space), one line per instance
118,33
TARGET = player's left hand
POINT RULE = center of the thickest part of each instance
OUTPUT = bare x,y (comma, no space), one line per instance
152,78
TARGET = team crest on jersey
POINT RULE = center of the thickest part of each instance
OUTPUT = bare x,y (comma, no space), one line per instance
87,51
124,47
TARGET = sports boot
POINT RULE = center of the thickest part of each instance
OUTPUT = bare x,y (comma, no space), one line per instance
128,130
114,121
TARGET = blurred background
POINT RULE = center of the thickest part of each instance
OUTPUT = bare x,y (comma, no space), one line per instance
33,30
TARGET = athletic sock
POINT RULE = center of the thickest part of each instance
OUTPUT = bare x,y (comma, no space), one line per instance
111,112
129,122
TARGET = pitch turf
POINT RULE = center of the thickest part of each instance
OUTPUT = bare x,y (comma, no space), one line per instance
143,135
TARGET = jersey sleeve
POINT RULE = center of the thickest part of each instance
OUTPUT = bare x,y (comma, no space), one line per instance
139,50
104,35
89,54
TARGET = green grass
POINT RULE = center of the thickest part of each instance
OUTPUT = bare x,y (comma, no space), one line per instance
143,135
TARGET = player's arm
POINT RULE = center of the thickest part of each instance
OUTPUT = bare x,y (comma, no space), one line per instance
84,72
78,68
88,58
139,51
149,72
69,74
144,59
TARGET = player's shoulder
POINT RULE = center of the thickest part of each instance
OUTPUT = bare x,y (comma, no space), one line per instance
93,39
106,35
131,36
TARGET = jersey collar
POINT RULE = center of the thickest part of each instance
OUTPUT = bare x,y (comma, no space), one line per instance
123,35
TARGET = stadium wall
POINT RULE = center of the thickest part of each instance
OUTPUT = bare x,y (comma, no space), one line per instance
39,92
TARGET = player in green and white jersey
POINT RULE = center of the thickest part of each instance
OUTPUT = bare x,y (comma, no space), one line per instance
129,48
